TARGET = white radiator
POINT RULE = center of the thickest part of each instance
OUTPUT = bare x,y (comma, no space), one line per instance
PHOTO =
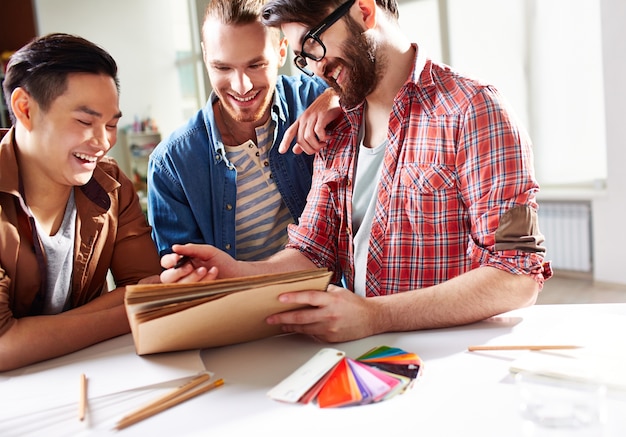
567,229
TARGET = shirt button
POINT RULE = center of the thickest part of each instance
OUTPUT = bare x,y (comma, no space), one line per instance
250,145
266,164
271,176
227,247
257,154
349,182
229,207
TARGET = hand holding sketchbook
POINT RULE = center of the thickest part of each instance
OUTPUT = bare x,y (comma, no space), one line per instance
174,317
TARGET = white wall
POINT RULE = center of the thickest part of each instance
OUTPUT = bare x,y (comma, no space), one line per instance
609,212
488,42
567,91
139,35
420,21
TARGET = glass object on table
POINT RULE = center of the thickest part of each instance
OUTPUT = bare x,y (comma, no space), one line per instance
561,407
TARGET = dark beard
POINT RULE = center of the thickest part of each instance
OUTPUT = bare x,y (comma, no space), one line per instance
364,70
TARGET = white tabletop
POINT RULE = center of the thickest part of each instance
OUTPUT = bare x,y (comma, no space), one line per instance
459,392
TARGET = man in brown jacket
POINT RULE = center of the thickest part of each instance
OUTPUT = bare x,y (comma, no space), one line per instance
67,212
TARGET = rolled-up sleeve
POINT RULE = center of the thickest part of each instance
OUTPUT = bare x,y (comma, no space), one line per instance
495,167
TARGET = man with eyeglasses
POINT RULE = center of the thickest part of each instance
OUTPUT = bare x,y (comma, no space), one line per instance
424,201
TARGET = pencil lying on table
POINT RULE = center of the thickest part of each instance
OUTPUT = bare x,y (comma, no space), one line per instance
533,347
175,397
82,400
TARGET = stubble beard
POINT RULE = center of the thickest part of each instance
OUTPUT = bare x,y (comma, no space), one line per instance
247,115
365,67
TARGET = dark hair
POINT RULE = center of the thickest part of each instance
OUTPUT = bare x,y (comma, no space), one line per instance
310,12
41,67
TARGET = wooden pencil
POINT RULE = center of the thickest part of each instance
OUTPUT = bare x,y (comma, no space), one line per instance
172,399
534,347
201,378
82,400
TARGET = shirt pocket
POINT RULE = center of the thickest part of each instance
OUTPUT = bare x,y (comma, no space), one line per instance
431,200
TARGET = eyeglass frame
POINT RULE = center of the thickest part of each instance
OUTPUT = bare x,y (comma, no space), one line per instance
315,33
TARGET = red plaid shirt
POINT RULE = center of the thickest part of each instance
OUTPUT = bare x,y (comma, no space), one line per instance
457,161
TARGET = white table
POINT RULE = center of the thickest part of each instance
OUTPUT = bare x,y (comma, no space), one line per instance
460,393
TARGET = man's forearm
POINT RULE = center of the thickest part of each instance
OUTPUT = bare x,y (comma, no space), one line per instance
287,260
107,300
33,339
471,297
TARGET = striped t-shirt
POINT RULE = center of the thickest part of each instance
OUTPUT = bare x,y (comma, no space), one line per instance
261,215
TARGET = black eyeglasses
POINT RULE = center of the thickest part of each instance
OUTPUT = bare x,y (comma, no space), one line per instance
312,47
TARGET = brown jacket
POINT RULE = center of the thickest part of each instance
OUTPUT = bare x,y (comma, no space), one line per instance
111,232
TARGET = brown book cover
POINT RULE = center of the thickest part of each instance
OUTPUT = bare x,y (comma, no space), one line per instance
174,317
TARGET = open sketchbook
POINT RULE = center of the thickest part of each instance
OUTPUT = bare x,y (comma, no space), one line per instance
173,317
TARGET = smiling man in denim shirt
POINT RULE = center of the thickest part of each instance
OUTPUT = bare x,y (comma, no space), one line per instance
220,178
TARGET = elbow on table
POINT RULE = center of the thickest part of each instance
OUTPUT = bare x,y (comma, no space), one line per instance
8,360
527,292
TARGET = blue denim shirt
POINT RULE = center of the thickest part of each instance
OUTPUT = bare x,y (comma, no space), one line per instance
192,187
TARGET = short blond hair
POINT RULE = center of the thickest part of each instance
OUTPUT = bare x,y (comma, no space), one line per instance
237,12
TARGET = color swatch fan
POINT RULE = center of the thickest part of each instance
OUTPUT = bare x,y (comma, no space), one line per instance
331,379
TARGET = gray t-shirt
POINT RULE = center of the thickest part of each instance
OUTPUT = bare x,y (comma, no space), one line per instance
59,250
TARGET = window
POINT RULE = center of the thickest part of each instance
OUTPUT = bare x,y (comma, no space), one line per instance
188,56
546,59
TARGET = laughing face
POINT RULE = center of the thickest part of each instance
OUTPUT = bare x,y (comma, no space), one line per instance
350,65
75,132
242,62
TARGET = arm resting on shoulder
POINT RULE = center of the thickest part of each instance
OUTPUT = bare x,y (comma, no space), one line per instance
309,130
